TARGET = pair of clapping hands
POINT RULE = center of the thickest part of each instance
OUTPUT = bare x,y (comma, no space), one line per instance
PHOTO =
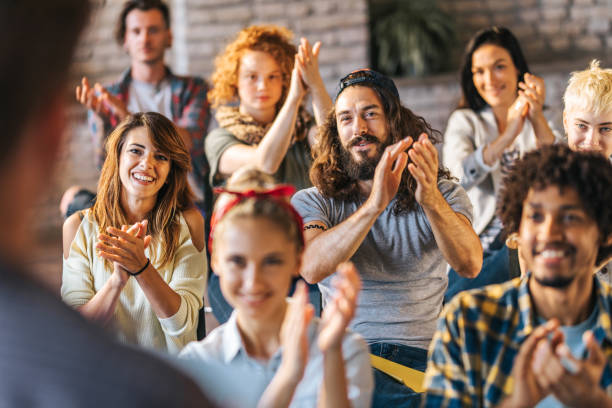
125,247
544,365
334,320
306,73
529,102
423,167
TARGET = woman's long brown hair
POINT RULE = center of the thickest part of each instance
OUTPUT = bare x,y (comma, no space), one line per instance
175,195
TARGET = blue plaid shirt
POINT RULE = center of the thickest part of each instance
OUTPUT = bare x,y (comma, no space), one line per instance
478,336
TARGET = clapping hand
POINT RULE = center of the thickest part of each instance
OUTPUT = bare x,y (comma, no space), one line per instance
424,168
308,63
339,312
533,91
572,381
294,334
388,174
125,247
99,100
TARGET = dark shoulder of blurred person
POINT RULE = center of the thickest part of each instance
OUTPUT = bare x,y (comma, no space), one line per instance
50,356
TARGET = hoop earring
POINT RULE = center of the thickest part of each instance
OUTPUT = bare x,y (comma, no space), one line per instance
512,241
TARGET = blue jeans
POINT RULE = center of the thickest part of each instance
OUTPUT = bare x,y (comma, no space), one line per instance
388,392
496,268
221,309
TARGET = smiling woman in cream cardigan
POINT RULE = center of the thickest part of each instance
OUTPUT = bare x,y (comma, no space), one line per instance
135,261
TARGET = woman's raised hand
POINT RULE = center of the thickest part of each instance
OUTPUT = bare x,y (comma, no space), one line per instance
533,91
339,312
516,117
297,88
308,63
125,247
294,334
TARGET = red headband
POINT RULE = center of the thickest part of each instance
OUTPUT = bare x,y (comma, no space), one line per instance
278,194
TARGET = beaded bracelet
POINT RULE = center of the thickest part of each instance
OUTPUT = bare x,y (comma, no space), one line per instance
141,270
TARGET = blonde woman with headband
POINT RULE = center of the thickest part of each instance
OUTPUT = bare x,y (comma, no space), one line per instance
135,261
257,247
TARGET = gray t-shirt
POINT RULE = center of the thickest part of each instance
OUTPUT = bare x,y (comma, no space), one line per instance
402,269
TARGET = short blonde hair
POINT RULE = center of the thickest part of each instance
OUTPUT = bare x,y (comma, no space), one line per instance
589,90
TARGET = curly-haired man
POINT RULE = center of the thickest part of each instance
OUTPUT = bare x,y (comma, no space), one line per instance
382,201
544,339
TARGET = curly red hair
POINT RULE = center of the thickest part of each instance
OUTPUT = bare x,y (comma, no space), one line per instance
271,39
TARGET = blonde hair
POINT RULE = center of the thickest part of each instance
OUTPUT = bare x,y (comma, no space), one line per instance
589,90
174,196
271,39
249,178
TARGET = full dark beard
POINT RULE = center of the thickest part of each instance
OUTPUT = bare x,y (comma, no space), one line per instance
364,169
558,282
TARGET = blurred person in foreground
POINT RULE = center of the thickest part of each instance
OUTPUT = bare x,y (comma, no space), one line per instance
51,356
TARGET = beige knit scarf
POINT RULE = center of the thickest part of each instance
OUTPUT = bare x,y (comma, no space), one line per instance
245,128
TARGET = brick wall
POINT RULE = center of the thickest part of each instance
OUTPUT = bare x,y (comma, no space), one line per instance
550,30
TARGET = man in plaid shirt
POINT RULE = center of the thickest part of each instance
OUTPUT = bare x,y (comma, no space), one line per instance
143,30
544,339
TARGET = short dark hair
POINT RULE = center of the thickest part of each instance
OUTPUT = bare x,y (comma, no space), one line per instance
589,174
142,5
501,37
39,39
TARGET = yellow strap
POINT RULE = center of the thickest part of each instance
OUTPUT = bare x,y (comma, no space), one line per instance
408,376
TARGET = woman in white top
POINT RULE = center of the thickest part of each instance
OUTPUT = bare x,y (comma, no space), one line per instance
302,361
135,261
499,119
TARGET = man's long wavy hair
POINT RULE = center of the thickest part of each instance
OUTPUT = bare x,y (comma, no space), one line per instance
270,39
332,180
174,196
